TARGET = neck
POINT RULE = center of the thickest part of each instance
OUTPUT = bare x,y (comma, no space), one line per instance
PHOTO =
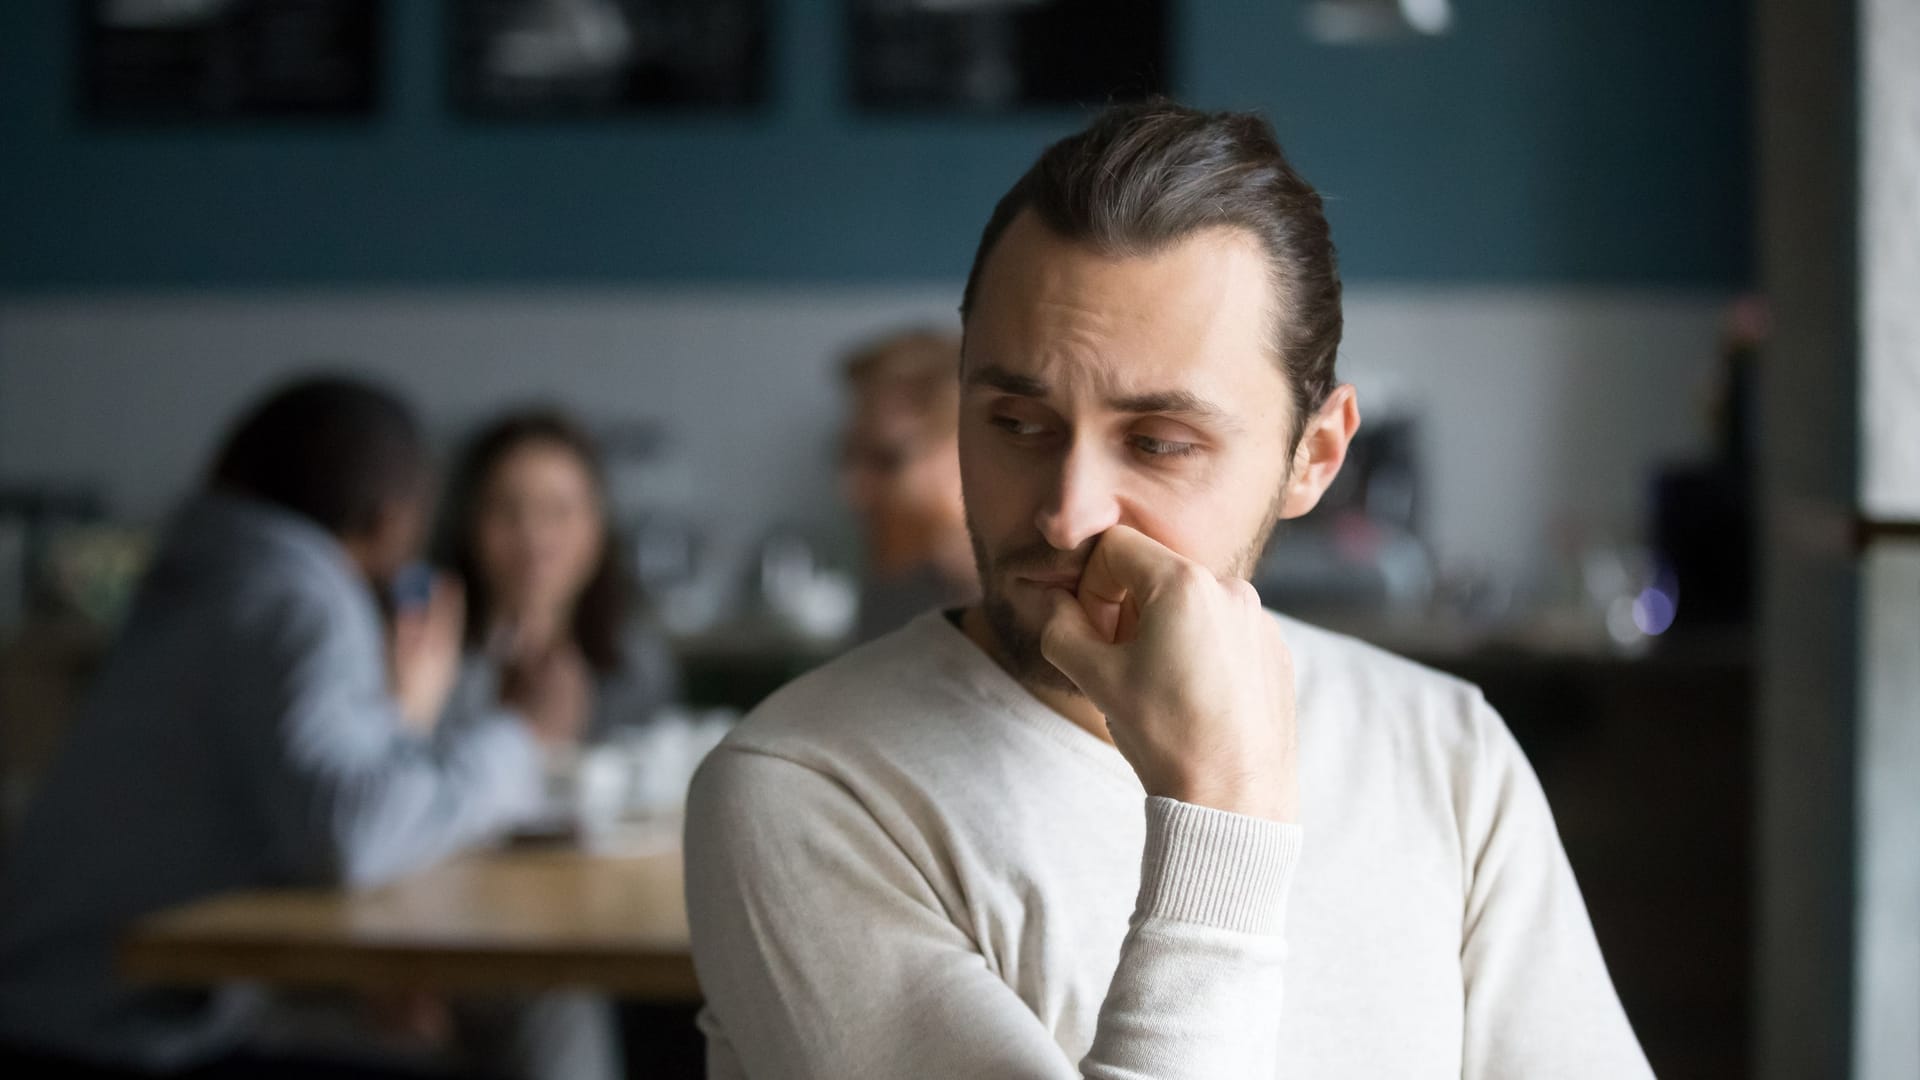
1075,707
532,627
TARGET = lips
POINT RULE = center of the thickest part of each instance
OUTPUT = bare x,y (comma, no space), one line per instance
1051,581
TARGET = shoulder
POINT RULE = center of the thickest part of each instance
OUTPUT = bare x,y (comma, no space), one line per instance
1377,694
880,695
911,720
1340,660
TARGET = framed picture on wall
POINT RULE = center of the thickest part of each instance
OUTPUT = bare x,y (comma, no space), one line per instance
225,60
1000,55
553,59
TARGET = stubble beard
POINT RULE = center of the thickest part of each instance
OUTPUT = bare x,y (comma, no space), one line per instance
1017,641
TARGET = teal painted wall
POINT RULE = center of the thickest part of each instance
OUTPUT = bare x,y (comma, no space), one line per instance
1545,141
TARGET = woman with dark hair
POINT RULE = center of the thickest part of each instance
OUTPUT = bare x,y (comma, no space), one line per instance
552,623
549,603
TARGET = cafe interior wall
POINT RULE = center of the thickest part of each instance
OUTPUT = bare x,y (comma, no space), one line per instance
1540,216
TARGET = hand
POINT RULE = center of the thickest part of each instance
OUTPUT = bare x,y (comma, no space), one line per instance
1191,673
426,653
412,1016
553,691
529,631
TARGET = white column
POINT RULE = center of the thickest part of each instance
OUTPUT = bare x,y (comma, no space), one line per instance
1890,260
1886,1037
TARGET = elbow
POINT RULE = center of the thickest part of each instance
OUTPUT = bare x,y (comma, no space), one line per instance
357,870
364,851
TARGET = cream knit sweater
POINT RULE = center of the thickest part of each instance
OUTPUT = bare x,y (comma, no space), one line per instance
904,865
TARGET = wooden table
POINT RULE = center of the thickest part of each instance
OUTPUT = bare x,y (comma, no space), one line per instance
515,920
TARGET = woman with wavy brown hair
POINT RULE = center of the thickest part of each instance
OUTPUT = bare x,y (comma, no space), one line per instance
549,603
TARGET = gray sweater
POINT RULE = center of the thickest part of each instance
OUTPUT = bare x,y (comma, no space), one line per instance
241,734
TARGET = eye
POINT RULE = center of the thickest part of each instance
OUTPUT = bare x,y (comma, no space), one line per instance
1013,425
1153,447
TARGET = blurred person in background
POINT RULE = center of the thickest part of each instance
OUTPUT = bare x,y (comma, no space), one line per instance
551,611
549,602
256,724
900,472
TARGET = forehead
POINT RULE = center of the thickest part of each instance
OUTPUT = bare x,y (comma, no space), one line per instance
1197,311
538,461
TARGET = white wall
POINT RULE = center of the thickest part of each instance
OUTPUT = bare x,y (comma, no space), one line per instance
1540,404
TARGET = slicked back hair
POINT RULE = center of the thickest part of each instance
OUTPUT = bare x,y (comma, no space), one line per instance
1145,176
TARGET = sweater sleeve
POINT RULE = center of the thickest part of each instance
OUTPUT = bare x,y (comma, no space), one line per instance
824,953
1539,1001
347,794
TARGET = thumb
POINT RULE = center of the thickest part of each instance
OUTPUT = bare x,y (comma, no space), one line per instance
406,628
1070,641
448,603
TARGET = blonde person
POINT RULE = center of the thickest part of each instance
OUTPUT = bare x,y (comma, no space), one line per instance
900,473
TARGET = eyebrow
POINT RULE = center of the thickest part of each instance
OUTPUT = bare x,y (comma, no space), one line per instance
1167,402
1007,382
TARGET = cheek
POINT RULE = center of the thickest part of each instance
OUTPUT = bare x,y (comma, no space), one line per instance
497,548
591,544
1000,498
1210,521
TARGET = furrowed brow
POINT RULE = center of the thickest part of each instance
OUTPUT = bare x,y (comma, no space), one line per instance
1174,403
1007,382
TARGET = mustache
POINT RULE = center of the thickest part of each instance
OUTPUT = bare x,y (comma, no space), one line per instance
1041,557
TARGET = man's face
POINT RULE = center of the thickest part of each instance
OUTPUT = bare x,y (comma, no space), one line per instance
900,473
393,540
1100,391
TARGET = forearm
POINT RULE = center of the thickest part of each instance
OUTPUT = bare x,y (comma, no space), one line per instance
1197,992
843,964
417,807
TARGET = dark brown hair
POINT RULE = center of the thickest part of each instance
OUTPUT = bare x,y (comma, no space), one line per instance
1147,175
600,614
333,449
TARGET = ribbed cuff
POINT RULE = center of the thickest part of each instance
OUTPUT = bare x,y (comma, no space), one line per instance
1215,868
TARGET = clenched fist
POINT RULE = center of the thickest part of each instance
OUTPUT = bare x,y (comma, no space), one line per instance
1191,673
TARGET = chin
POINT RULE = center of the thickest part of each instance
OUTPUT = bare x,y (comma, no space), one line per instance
1017,630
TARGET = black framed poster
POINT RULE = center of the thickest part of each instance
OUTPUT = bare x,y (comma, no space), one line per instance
1001,55
222,60
553,59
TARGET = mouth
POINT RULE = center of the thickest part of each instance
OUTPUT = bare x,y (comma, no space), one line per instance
1069,580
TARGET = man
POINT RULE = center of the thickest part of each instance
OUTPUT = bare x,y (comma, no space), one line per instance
244,733
1117,821
900,470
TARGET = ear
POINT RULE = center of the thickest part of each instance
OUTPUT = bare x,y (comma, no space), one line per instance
1322,450
393,538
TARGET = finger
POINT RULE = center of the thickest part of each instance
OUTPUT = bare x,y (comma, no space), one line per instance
407,627
449,597
1126,565
1070,641
1242,590
1280,656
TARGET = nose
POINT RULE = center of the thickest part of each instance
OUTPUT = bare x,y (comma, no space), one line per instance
1083,502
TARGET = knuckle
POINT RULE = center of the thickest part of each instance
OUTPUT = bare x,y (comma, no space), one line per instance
1052,638
1188,576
